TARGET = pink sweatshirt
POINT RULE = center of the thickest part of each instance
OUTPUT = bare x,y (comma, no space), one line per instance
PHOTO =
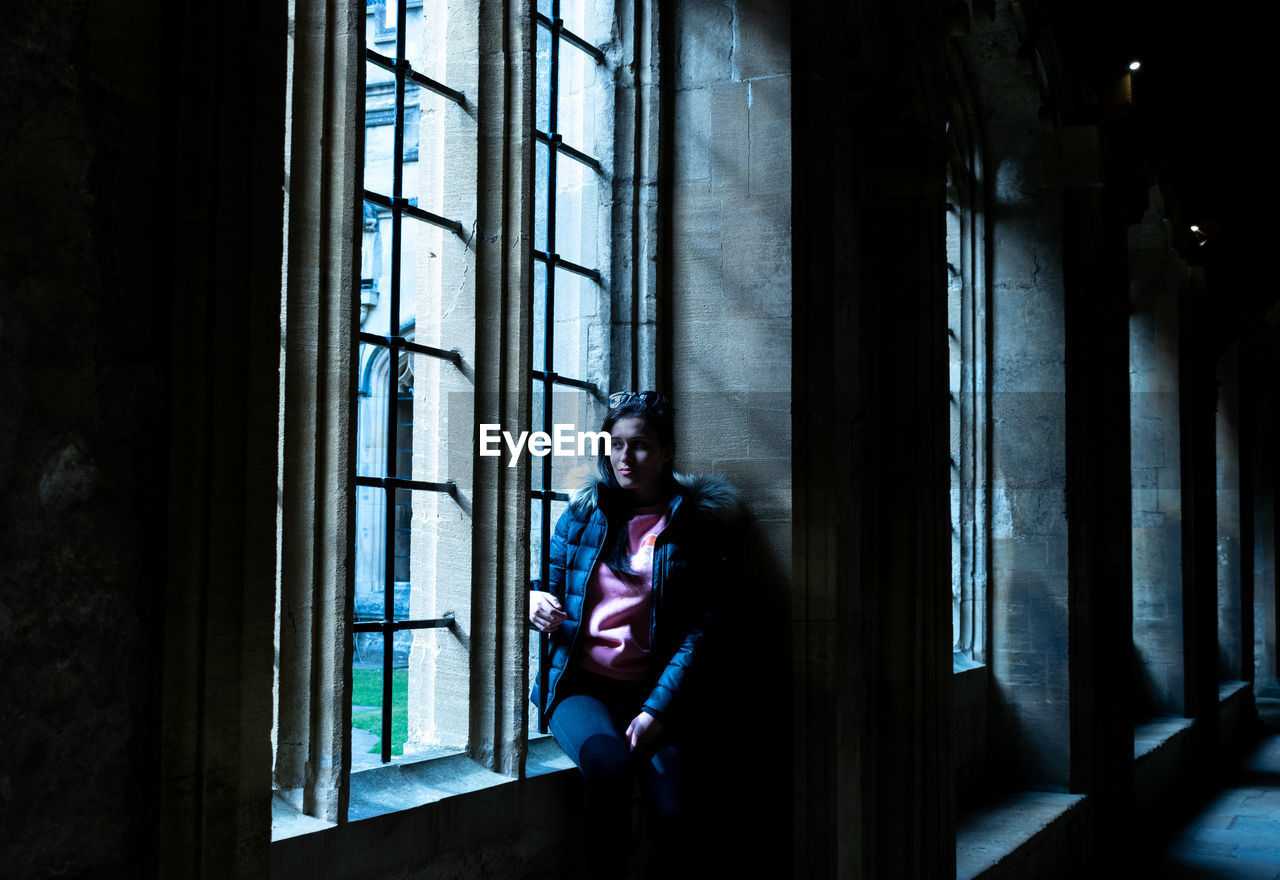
616,640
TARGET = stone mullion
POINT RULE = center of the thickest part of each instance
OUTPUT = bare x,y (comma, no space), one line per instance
504,265
317,509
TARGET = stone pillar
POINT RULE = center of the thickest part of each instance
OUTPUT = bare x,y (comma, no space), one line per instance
225,253
1200,526
1157,289
1095,279
872,598
1029,618
725,353
1231,640
1265,606
902,485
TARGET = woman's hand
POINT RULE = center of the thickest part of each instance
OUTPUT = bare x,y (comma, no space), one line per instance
544,611
642,730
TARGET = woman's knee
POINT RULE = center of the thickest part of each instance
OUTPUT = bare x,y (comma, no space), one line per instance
605,758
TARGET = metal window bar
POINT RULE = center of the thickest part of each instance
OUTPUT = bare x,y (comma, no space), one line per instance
544,494
398,346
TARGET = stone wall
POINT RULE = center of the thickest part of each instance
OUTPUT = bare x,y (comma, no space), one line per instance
84,250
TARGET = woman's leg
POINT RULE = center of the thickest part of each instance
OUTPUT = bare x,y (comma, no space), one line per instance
663,787
585,729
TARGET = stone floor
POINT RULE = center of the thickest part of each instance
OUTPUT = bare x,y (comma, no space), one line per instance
1236,834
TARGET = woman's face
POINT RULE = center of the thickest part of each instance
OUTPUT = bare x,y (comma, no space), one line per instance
637,456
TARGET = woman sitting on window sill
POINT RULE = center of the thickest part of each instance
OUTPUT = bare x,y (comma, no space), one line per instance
638,562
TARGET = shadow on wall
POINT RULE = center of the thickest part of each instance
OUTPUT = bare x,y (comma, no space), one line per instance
739,769
1030,690
1146,692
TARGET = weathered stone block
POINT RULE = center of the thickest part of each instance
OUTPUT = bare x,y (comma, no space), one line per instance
764,38
769,107
704,52
729,140
692,140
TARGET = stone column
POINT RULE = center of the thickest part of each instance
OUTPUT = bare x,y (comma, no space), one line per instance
1157,290
1264,543
725,339
1230,549
872,600
1095,282
1200,524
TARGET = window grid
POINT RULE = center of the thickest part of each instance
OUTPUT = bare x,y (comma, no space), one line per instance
544,495
391,484
968,400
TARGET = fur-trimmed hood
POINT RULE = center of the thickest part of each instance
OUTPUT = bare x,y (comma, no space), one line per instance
713,497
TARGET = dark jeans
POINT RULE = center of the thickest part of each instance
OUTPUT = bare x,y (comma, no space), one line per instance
590,723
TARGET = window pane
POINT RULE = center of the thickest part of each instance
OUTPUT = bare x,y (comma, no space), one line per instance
536,424
541,176
579,328
429,460
542,85
539,315
440,576
577,212
425,37
535,534
379,128
535,557
579,98
371,519
420,269
426,114
371,411
406,532
535,540
575,14
366,702
374,282
438,686
579,410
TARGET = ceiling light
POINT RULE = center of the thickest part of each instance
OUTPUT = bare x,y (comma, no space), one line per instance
1135,64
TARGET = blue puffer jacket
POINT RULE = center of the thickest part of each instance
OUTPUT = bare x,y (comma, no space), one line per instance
691,568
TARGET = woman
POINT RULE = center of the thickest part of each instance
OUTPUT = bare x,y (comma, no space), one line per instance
636,561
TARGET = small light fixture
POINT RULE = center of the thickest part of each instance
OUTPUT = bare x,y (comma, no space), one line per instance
1195,228
1135,64
1200,238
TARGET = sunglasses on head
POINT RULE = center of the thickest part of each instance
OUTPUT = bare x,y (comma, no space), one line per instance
646,398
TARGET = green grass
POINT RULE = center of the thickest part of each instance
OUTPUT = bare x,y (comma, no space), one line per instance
366,690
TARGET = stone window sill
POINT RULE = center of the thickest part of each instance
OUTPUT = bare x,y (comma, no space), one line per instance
395,787
1228,689
1008,827
1156,733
